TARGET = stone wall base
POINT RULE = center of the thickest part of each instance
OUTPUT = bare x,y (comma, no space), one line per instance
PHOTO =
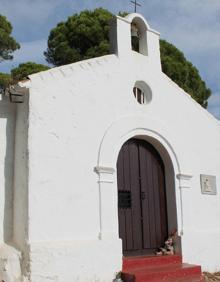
10,264
81,261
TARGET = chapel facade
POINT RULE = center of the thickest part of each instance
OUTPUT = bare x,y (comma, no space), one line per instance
103,160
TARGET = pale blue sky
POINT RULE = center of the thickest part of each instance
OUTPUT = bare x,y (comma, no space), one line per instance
192,25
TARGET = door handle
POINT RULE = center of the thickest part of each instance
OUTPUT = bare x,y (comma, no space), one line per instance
143,195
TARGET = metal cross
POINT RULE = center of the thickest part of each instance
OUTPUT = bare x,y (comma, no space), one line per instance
135,5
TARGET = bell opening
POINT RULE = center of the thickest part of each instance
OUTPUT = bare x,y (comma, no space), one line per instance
135,38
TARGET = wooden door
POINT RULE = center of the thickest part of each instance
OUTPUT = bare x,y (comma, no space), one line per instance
141,198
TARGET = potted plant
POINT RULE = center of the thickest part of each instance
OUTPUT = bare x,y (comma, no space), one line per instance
118,277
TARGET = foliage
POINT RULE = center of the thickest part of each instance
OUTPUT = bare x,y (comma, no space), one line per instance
85,36
123,14
5,80
175,65
81,37
19,73
23,70
7,43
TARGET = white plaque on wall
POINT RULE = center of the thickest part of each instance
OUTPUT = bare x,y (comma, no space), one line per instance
208,184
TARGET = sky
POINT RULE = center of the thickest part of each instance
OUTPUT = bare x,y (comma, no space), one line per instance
191,25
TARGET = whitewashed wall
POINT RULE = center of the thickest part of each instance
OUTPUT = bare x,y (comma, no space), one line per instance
20,195
10,268
7,127
79,117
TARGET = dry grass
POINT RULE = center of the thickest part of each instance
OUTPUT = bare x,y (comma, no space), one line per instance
212,277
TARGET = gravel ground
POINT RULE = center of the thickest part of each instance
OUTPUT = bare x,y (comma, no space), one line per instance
212,277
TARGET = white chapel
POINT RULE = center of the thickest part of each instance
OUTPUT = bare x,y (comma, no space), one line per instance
101,163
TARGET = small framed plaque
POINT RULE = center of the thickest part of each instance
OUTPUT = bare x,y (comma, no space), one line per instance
208,184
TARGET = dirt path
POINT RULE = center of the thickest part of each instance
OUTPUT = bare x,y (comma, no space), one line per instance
212,277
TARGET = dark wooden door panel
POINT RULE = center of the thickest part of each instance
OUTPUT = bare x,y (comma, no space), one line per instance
128,180
163,204
147,203
143,220
121,215
156,199
127,187
135,192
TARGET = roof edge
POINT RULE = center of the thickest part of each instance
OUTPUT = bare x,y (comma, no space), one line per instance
65,70
188,96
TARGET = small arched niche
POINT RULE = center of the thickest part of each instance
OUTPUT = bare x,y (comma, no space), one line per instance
142,92
139,36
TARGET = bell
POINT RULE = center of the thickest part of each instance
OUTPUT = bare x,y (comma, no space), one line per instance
134,30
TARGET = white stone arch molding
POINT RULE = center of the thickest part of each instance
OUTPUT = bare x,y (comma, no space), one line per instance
139,18
115,136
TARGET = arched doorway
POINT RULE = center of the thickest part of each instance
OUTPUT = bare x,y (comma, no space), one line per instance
142,210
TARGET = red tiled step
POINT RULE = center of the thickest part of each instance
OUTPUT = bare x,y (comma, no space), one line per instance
184,279
148,261
159,269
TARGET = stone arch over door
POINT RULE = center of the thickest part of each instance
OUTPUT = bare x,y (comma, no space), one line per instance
115,136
